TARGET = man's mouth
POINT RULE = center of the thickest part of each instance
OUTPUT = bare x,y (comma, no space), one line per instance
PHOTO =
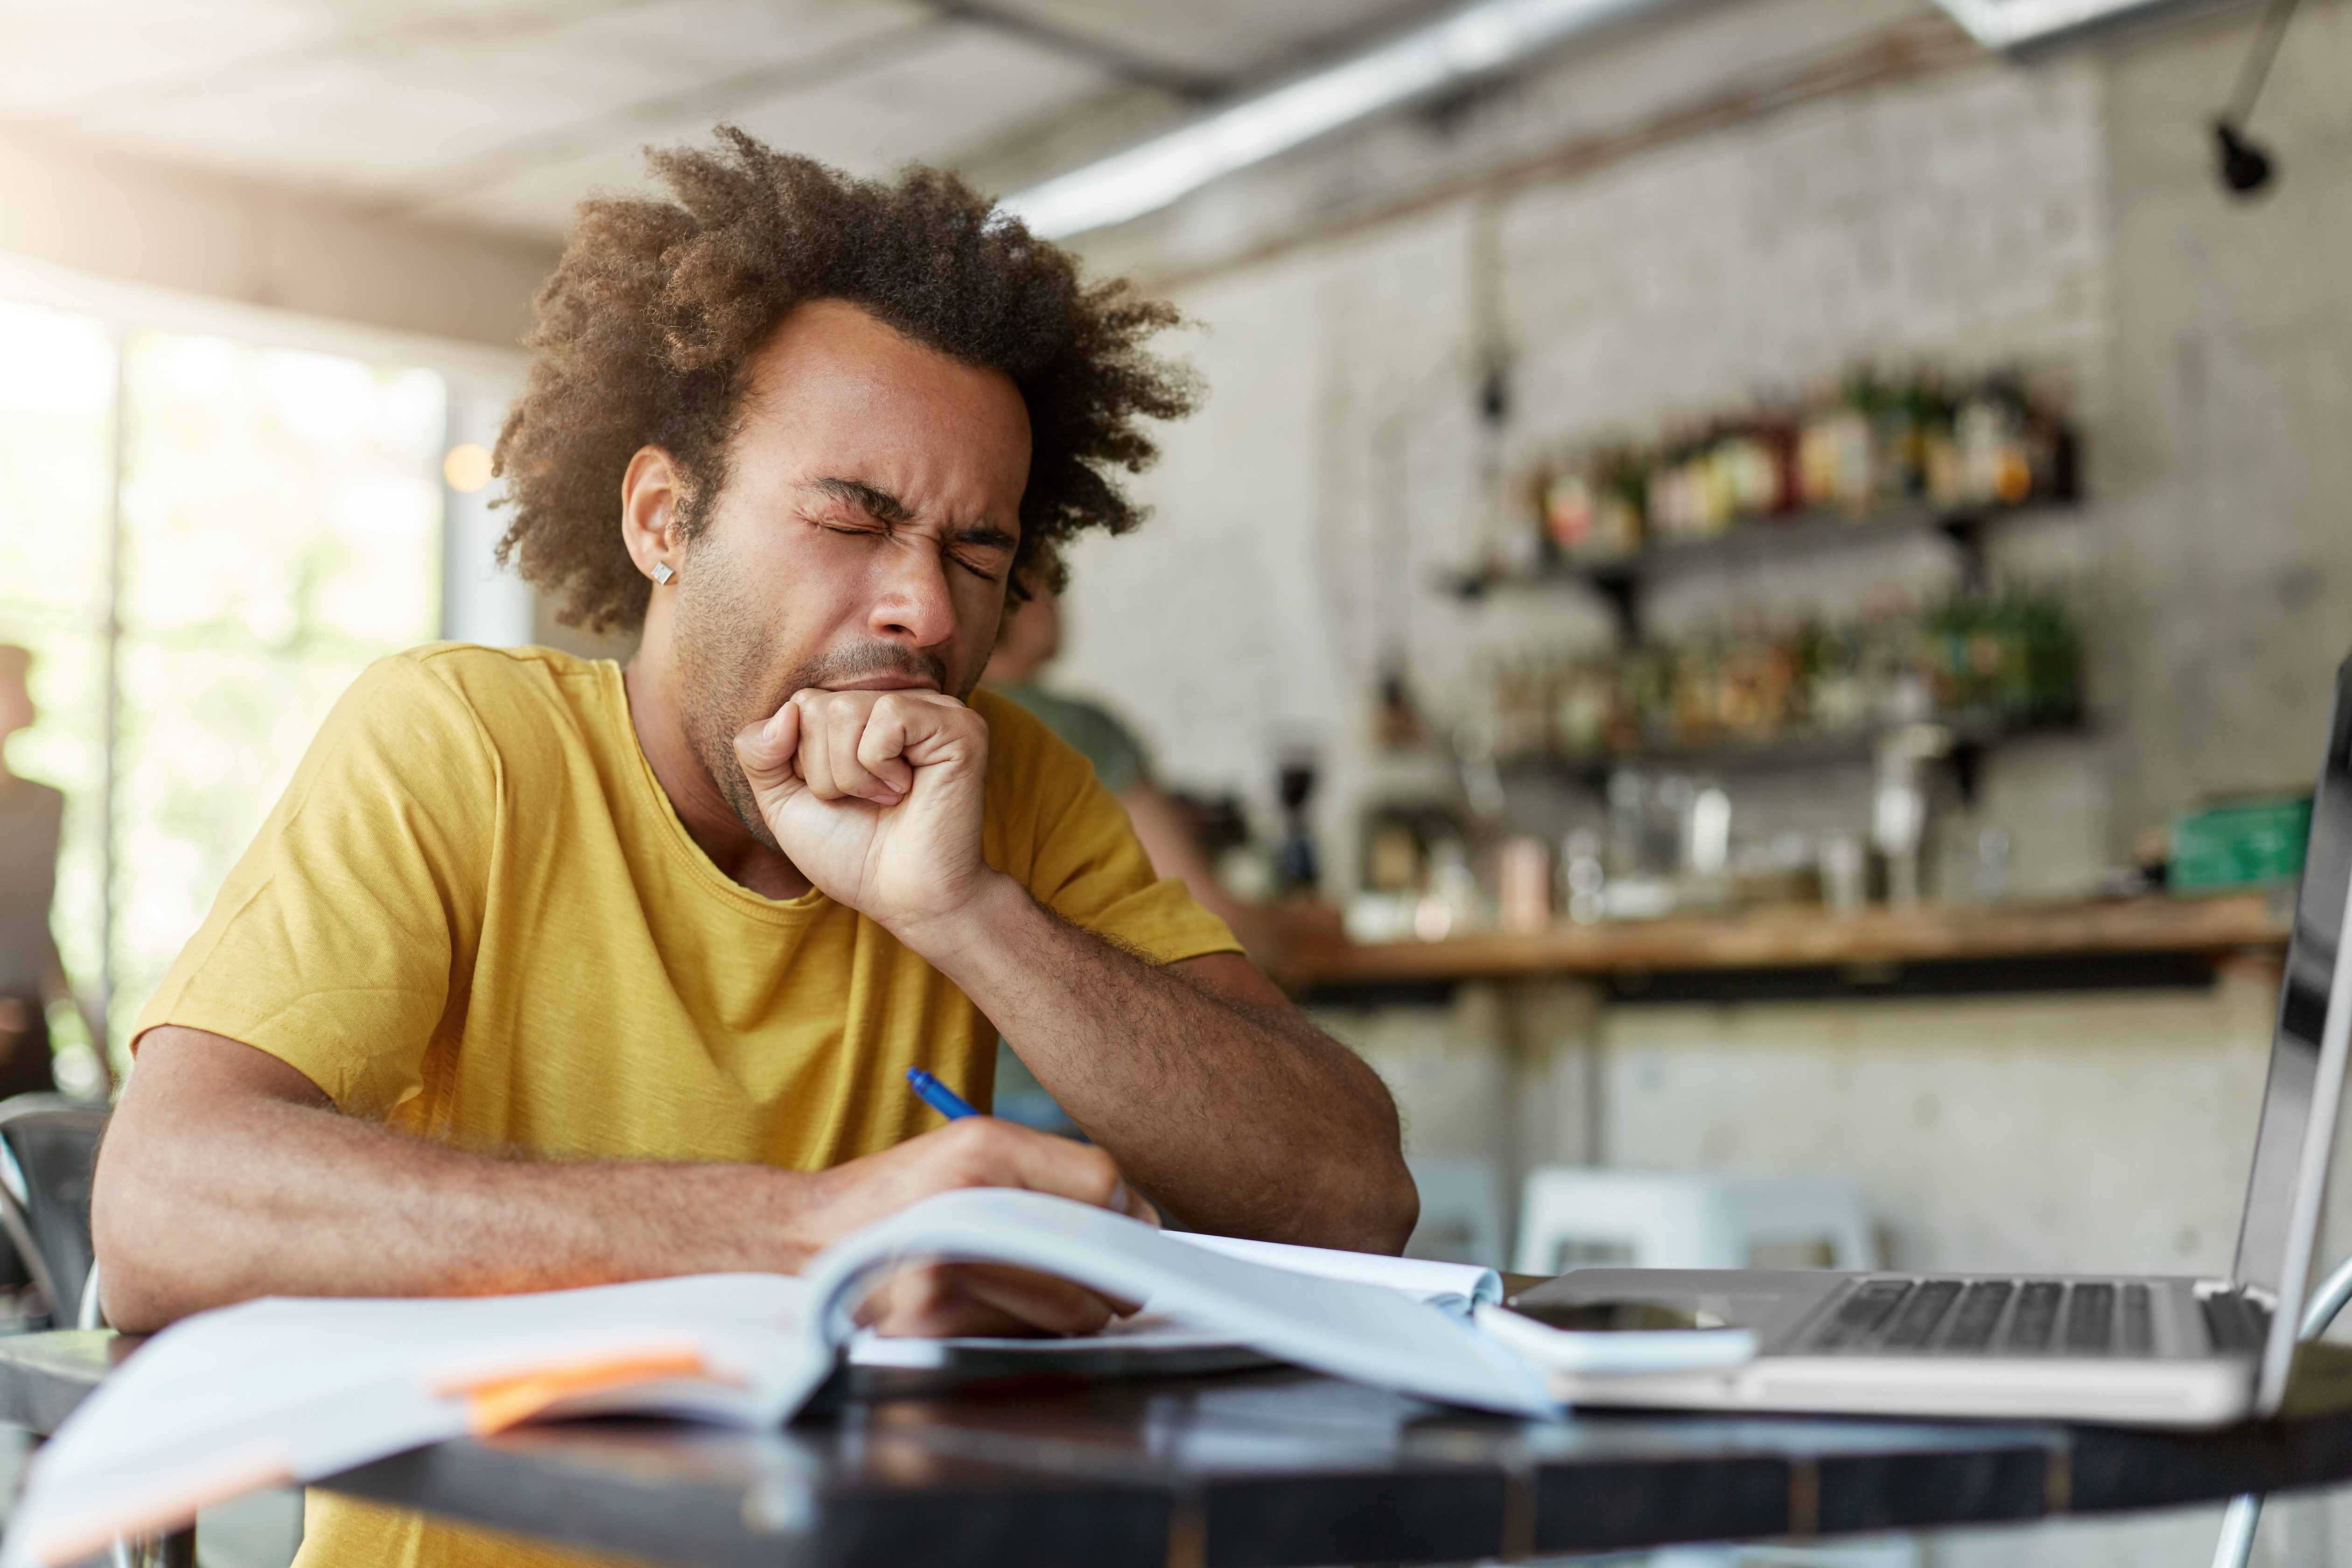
868,667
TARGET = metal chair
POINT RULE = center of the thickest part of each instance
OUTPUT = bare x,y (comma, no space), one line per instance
2236,1547
48,1147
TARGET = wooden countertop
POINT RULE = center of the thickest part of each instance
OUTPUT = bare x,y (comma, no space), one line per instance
1800,937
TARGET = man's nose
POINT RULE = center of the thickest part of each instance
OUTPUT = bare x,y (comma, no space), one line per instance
914,604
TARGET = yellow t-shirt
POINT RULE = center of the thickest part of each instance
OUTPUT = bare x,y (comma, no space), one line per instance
475,917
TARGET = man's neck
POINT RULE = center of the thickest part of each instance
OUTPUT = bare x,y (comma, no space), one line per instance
709,821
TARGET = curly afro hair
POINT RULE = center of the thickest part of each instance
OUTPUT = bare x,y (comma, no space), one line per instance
645,331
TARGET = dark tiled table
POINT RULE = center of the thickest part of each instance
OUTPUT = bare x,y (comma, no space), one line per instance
1250,1470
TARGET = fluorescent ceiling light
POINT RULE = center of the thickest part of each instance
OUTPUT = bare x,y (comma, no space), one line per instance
2008,24
1144,178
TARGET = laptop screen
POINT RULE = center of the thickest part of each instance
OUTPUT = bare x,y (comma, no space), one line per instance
2275,1238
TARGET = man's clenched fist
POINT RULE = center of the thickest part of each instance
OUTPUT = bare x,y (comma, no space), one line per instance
876,798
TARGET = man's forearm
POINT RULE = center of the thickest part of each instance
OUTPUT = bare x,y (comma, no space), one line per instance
243,1195
1230,1110
226,1175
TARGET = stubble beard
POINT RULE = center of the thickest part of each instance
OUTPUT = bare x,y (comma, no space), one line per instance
724,646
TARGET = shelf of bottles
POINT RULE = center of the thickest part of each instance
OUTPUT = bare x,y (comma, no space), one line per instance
1874,457
1981,666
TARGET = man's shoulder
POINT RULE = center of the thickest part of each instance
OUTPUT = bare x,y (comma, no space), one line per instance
500,687
495,673
447,709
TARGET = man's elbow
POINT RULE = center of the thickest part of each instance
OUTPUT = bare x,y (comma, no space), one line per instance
1392,1202
1363,1200
141,1240
1387,1206
133,1300
1366,1200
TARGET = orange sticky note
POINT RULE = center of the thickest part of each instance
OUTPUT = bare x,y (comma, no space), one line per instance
497,1404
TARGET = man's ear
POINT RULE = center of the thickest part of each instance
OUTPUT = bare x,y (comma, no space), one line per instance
653,495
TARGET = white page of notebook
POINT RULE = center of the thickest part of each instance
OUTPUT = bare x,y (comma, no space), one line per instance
1456,1285
1153,1333
1368,1333
279,1390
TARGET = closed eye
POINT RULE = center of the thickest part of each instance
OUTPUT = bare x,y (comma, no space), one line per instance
985,571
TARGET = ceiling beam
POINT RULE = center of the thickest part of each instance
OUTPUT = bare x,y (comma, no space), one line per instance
1194,86
1917,47
2024,24
1473,42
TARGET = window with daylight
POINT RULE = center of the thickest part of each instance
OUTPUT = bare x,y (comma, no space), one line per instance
205,540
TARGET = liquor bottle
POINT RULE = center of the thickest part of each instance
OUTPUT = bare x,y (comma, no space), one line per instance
1620,527
1568,512
1835,449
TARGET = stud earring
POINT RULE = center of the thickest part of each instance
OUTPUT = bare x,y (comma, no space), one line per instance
662,574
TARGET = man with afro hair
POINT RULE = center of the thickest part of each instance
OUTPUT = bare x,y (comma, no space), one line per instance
548,973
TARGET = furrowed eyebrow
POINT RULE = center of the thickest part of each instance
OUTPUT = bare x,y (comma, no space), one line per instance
987,536
875,502
882,506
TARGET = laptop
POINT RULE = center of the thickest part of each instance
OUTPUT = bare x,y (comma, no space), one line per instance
2153,1349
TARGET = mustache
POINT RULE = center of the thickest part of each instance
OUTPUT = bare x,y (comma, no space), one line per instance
862,660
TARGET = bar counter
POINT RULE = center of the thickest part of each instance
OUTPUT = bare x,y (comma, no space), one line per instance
1799,938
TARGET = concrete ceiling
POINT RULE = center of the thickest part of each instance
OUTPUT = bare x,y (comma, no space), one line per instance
500,114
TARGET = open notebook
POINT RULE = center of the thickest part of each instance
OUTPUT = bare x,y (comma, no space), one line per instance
1157,1341
284,1390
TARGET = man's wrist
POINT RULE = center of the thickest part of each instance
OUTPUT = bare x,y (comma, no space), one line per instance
993,910
793,1227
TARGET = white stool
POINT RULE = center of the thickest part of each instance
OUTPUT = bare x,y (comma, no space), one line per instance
1461,1209
1575,1216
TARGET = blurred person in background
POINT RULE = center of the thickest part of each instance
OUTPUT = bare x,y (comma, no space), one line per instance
31,973
1032,639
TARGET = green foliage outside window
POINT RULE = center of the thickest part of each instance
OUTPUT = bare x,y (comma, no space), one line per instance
280,516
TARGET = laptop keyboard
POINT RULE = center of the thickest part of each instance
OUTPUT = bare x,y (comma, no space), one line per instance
2023,1316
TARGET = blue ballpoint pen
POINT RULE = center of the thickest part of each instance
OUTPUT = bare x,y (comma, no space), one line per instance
939,1096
